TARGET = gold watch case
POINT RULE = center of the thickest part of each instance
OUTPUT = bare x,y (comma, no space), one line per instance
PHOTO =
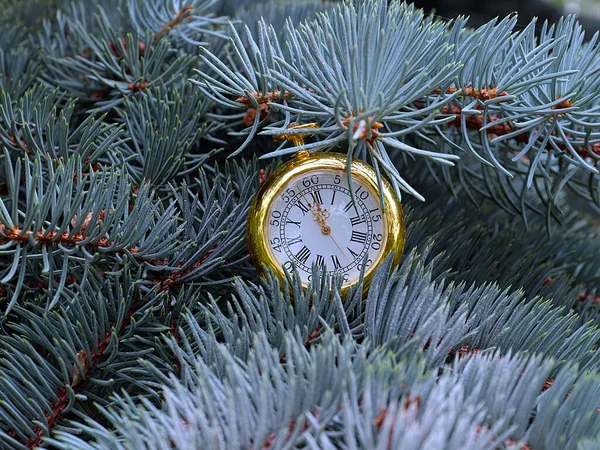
303,162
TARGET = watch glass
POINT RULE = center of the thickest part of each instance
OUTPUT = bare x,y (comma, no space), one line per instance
313,220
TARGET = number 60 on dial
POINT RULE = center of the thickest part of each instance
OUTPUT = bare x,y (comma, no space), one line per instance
303,214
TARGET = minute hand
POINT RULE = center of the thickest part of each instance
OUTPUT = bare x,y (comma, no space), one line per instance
321,215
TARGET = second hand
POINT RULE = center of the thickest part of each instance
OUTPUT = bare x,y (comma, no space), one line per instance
337,245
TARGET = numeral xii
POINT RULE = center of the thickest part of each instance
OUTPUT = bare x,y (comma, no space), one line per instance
316,195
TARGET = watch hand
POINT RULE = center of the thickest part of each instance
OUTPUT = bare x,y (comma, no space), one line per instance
304,196
340,248
319,216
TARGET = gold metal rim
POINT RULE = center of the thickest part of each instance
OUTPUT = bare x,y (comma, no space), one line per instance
258,244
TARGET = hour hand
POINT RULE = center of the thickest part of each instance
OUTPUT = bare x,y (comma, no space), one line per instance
320,216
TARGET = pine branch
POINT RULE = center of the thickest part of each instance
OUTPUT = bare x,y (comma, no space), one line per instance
211,224
81,217
519,105
256,396
20,68
270,306
278,12
245,75
555,425
498,250
54,364
132,317
41,123
104,67
189,21
163,128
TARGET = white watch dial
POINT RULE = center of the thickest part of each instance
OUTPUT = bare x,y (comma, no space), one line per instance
314,220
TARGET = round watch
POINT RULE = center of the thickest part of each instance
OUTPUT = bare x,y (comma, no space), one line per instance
304,214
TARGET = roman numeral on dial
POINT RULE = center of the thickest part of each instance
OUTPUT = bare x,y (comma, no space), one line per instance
294,240
304,208
348,206
358,236
354,254
358,219
316,195
303,254
320,260
336,262
288,221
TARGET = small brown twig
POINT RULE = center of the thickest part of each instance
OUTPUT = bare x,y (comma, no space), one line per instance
250,116
291,427
174,22
274,96
138,86
479,94
173,278
57,407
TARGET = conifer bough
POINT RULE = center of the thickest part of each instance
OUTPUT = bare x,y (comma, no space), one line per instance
130,315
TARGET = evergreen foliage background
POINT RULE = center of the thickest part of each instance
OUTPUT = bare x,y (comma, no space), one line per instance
130,314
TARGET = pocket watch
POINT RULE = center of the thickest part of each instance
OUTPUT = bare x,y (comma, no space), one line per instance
304,214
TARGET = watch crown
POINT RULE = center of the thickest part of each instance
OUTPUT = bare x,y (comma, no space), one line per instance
302,154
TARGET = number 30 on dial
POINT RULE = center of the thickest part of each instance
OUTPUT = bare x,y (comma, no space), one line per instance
303,214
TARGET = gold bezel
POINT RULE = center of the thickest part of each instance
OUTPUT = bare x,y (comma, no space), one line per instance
257,224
